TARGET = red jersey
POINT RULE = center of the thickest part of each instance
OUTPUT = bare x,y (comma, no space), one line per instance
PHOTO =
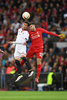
36,37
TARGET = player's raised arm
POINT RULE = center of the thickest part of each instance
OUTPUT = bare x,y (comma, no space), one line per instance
50,33
15,42
10,42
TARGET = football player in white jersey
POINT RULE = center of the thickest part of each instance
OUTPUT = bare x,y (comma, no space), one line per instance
20,49
20,43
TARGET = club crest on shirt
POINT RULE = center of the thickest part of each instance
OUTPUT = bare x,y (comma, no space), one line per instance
34,36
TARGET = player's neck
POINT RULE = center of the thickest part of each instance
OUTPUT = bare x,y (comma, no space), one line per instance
34,29
24,29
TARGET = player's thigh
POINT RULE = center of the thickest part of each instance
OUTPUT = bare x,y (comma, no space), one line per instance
16,55
39,61
39,53
23,53
19,53
30,53
39,56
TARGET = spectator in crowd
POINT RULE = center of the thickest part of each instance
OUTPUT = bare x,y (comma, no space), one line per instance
65,79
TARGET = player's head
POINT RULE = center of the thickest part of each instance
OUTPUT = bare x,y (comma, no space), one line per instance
25,25
32,27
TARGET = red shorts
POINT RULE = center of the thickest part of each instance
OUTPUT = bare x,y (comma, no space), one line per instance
35,50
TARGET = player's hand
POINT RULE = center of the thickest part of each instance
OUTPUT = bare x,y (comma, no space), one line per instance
10,42
25,43
61,36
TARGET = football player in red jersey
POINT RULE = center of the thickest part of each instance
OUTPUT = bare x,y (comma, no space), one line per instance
36,47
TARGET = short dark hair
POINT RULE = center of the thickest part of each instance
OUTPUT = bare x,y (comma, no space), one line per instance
26,22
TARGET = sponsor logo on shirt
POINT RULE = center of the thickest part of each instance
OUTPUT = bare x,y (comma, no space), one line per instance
35,36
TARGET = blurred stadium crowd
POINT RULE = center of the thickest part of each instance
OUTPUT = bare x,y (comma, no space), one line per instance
48,14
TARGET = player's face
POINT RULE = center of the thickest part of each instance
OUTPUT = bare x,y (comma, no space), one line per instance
32,27
25,26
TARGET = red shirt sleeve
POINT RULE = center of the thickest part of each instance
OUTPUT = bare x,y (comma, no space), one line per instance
50,33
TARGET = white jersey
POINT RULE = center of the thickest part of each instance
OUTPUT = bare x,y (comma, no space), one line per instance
20,48
22,36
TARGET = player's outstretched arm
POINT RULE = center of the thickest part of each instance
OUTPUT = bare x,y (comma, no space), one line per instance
15,42
50,33
10,42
